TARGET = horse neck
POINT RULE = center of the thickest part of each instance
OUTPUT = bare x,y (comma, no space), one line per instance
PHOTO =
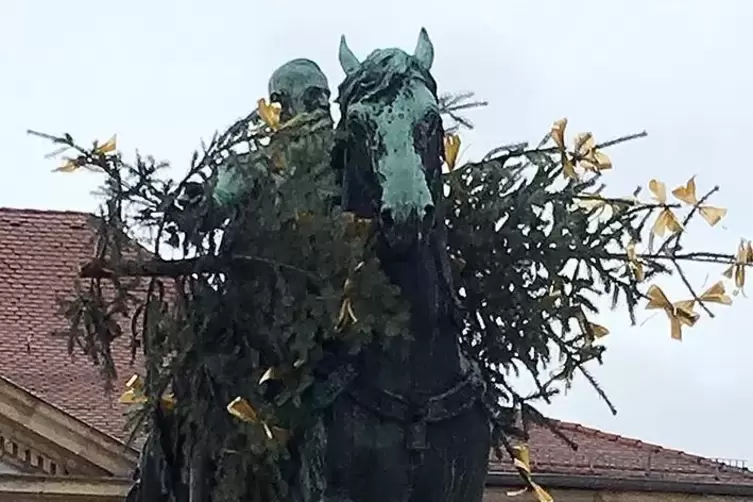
429,361
419,278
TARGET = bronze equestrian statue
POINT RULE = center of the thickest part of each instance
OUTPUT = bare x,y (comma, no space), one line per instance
410,426
402,422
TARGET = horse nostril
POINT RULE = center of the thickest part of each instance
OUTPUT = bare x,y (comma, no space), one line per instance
429,213
387,218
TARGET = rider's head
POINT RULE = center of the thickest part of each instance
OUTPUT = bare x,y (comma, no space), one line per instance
299,86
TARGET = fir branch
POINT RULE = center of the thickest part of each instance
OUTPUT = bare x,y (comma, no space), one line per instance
103,269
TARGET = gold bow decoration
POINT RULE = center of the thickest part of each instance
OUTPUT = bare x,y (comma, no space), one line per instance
347,315
743,258
241,409
598,330
557,134
522,462
667,220
682,313
715,294
634,265
585,152
270,374
73,164
588,156
590,328
590,201
451,150
134,394
679,313
601,205
275,373
269,113
108,146
687,194
70,165
593,201
356,227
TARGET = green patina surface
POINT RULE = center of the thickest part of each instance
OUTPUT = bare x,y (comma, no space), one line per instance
395,118
233,182
400,167
301,87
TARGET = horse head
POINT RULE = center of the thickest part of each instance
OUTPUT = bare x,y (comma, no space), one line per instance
390,141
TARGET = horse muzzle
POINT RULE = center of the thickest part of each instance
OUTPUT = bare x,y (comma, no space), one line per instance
402,234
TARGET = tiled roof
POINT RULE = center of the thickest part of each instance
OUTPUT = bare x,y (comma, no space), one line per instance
601,454
40,254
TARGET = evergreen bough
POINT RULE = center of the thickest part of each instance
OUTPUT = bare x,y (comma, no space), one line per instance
230,340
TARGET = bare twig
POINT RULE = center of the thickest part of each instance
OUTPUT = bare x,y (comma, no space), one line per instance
696,256
548,150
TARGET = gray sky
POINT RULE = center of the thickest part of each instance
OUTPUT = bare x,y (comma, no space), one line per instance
165,74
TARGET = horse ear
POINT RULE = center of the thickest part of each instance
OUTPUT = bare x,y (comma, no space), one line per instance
348,61
424,52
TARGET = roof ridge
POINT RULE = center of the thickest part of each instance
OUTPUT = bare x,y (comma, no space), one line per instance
708,462
33,210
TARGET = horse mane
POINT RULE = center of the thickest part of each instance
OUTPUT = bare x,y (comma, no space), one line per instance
382,72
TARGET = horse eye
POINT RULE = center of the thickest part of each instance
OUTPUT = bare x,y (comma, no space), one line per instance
434,121
428,127
356,125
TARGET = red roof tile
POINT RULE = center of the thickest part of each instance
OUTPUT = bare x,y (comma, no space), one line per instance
601,454
40,254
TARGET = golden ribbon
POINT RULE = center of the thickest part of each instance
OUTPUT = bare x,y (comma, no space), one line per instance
451,150
593,201
70,165
585,152
241,409
589,157
269,113
347,315
557,134
687,194
73,164
666,221
634,265
679,313
134,394
588,327
743,258
355,226
716,294
108,146
522,462
598,330
270,374
274,373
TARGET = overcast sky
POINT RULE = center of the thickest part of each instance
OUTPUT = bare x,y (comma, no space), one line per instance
164,74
